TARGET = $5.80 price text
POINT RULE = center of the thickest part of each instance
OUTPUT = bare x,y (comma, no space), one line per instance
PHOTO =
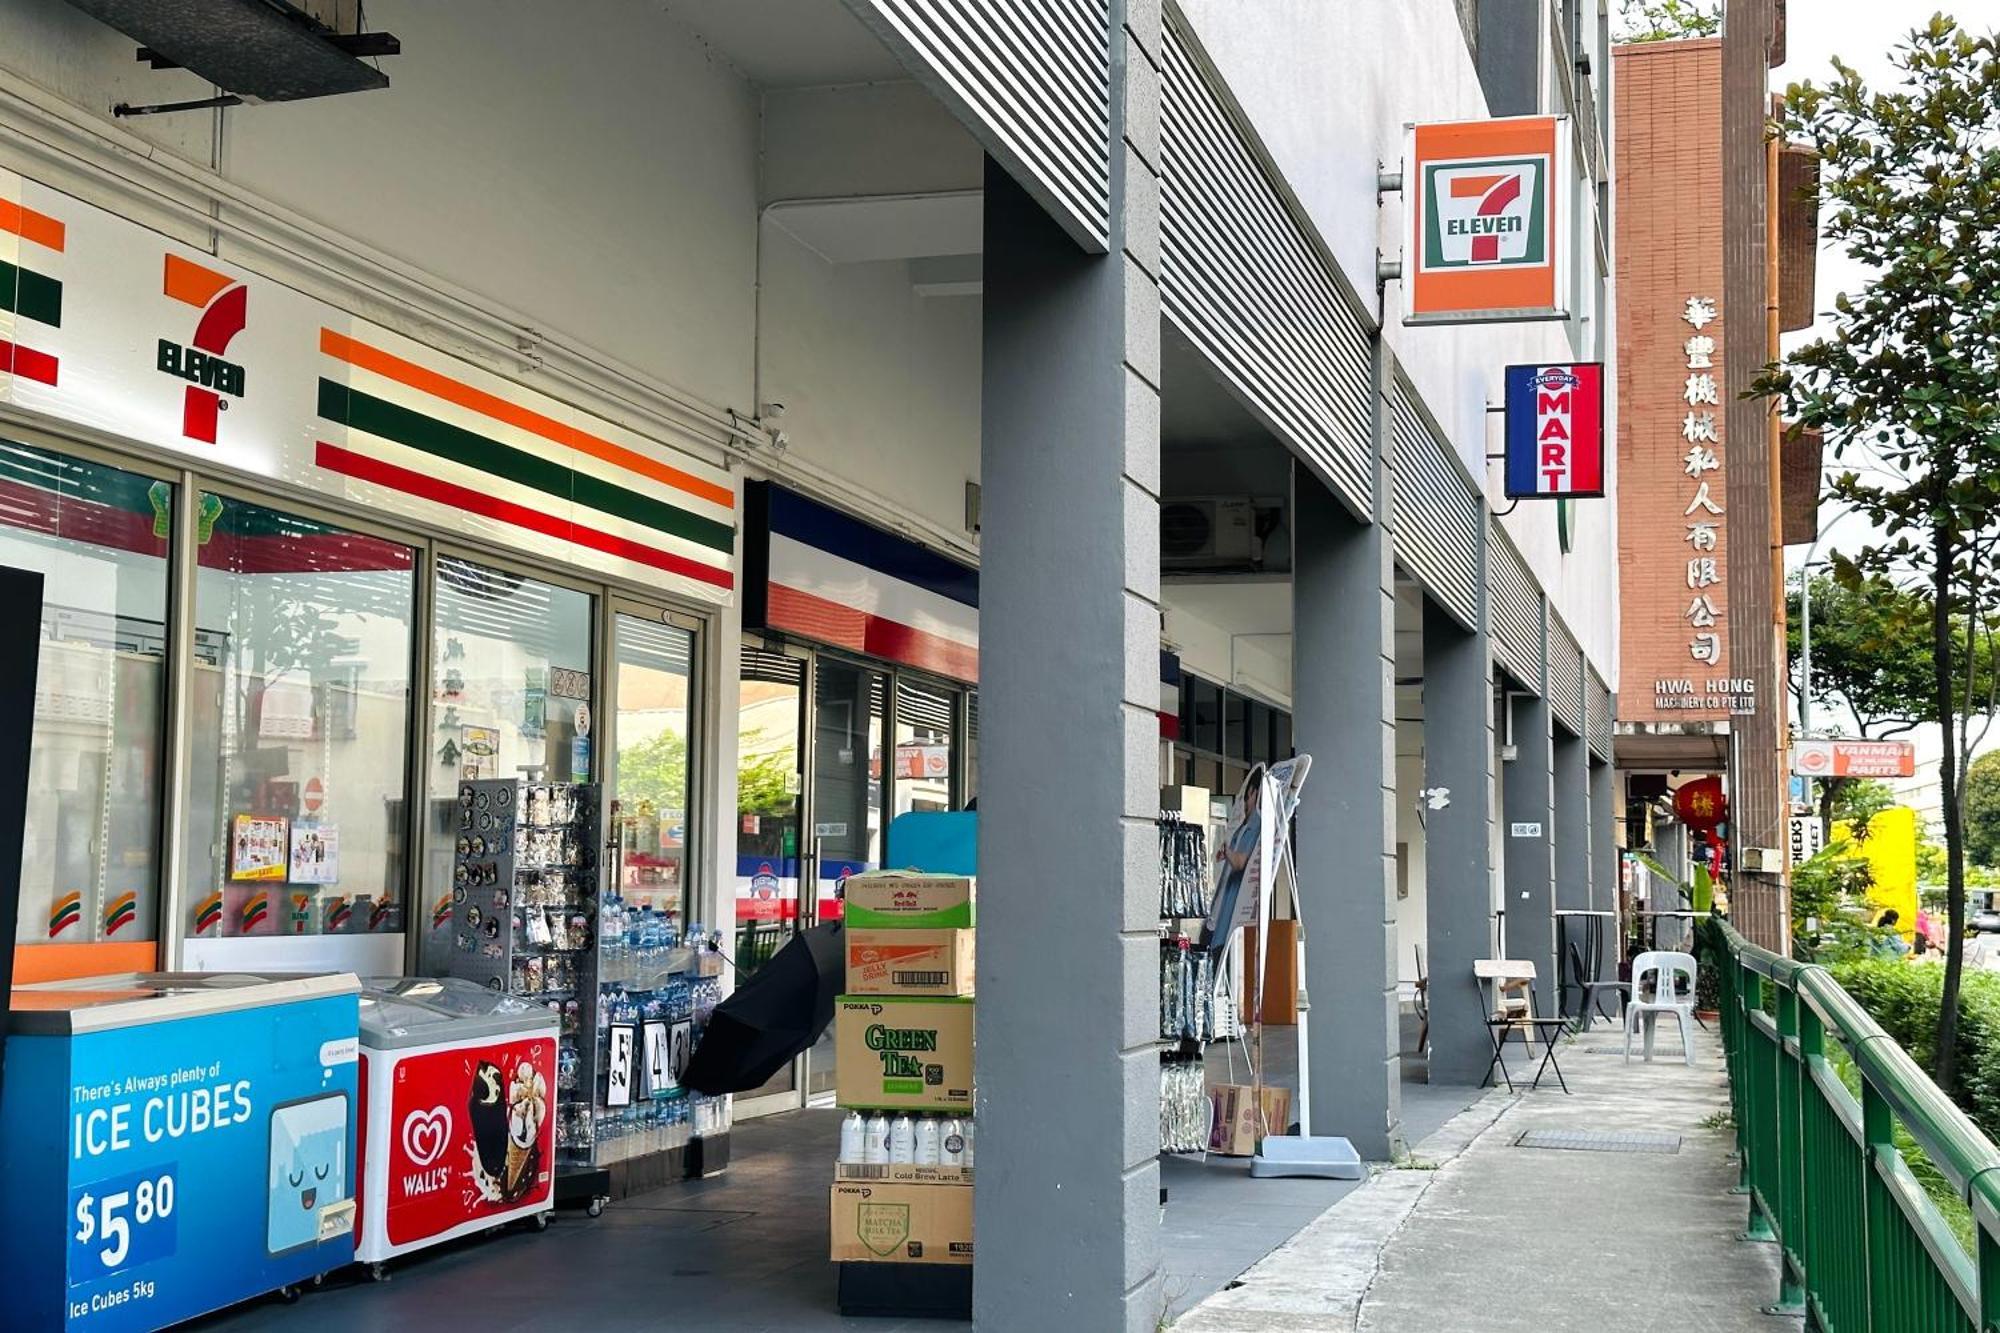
122,1221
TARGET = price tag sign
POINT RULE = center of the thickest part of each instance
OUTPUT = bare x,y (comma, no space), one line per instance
121,1222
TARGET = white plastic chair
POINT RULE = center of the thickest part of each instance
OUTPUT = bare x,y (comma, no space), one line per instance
1661,996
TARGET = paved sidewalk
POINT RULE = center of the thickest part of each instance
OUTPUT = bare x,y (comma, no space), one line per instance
1481,1234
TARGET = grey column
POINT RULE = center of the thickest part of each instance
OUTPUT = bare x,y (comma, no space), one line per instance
1529,798
1458,876
1344,716
1068,1071
1573,835
1604,863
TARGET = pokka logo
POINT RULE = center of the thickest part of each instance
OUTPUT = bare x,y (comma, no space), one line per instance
224,305
1489,213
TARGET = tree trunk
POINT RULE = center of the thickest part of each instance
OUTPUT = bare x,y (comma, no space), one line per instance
1954,831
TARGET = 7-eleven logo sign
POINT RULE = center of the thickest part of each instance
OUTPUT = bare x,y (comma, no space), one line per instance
224,306
1487,213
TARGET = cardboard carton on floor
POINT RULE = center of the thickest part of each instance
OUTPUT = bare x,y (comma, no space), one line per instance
903,1052
1242,1117
909,962
900,1173
887,900
926,1224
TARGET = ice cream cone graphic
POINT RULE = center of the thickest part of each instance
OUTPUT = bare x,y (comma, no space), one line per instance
527,1110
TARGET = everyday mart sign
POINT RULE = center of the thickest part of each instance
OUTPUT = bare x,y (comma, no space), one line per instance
1489,226
1555,431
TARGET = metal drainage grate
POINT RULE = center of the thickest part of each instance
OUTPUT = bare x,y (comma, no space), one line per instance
1583,1140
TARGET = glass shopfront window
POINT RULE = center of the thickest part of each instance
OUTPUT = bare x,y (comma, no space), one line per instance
925,715
299,727
510,690
1223,733
90,866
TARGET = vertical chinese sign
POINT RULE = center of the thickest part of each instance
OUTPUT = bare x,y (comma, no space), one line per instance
1673,457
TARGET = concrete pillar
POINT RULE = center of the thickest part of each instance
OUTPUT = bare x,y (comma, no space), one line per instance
1344,716
1605,870
1530,876
1573,834
1604,863
1068,1072
1458,756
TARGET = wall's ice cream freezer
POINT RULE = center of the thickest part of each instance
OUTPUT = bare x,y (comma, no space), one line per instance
176,1143
456,1133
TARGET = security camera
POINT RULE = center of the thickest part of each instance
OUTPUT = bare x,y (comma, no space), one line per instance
772,412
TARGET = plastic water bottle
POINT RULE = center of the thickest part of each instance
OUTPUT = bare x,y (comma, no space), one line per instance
635,944
875,1152
610,940
902,1141
951,1142
853,1139
928,1137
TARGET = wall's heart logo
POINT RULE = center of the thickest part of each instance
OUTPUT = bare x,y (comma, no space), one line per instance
426,1134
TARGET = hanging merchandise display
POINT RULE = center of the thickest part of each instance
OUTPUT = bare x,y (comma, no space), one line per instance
1187,991
1184,1105
626,991
1183,866
1188,971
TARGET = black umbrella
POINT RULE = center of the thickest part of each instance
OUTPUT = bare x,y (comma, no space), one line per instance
781,1010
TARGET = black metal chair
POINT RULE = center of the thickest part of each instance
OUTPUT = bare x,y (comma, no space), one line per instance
1592,990
1513,1010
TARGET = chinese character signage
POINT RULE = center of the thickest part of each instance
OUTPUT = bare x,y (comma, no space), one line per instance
1555,431
1693,679
1489,225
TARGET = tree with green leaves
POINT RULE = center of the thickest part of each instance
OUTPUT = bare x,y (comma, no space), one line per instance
1982,810
1906,386
652,774
1668,20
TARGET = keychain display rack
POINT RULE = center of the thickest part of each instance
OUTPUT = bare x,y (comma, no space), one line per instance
524,921
1187,979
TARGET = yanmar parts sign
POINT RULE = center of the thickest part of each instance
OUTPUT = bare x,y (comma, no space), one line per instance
1854,759
1488,240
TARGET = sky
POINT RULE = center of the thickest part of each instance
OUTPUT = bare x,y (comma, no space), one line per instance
1861,33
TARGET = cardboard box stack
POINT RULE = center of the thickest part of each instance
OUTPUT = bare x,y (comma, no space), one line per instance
903,1039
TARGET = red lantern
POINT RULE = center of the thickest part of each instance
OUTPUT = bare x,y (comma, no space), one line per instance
1701,804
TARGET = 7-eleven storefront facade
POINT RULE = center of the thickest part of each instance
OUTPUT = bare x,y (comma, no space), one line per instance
302,574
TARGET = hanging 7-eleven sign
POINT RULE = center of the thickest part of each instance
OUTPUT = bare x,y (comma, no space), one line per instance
1490,221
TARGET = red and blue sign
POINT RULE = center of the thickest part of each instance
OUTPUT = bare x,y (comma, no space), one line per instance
827,576
1555,431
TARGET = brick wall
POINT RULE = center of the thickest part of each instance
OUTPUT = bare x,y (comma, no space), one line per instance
1669,248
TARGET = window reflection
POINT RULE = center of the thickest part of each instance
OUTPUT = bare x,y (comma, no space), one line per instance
99,538
299,725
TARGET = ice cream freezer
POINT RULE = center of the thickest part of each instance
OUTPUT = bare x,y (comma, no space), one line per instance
457,1081
177,1143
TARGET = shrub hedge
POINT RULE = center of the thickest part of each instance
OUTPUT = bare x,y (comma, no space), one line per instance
1904,998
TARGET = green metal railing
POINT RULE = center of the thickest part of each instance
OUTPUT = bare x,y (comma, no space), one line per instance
1864,1246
